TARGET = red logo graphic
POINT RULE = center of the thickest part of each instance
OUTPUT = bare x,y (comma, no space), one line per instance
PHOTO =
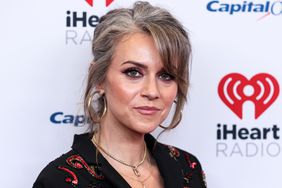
91,2
262,89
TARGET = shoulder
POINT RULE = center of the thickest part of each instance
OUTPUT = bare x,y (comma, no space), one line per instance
76,168
185,158
54,174
183,163
190,166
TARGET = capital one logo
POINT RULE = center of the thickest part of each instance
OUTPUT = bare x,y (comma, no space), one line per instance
91,2
262,89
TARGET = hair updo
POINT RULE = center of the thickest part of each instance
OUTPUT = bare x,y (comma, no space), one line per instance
169,36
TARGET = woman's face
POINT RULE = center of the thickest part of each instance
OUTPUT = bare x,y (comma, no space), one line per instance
138,91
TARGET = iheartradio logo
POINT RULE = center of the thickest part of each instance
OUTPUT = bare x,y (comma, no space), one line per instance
262,89
91,2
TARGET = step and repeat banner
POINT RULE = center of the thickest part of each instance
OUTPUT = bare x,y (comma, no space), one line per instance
232,121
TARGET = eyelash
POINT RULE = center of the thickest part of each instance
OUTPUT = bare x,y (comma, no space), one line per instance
139,73
168,78
130,70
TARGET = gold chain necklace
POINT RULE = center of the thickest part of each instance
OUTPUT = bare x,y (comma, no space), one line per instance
134,167
142,182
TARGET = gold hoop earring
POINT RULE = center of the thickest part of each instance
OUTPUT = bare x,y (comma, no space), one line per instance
90,99
96,96
105,107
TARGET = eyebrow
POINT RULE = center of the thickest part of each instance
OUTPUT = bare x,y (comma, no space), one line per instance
138,64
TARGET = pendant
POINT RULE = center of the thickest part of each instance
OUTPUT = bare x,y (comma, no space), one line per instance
136,172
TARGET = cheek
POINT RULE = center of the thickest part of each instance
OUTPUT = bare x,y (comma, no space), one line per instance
170,95
121,93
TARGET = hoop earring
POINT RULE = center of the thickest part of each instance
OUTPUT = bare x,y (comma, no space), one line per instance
98,95
105,107
90,99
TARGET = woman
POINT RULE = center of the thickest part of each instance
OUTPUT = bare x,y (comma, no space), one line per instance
140,69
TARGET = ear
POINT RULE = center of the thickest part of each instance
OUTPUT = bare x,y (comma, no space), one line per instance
100,87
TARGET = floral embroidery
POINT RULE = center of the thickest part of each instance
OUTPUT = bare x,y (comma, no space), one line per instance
190,163
77,162
73,179
187,178
173,152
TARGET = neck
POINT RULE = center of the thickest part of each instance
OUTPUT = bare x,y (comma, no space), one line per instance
121,142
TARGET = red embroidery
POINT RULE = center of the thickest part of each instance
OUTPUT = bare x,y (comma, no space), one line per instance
72,180
77,162
187,178
191,164
173,152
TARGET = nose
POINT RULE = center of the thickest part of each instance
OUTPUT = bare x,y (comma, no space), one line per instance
151,89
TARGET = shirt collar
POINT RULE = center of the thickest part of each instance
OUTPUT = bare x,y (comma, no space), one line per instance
168,166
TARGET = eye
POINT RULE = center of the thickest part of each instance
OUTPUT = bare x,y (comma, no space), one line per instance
166,76
133,72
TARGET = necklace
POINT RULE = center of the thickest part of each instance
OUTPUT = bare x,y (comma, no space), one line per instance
140,181
134,167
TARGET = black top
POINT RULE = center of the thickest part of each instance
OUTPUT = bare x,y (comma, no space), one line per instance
83,168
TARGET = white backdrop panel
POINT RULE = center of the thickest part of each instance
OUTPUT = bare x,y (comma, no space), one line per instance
44,65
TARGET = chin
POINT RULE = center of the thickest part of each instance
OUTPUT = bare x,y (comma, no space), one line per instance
147,128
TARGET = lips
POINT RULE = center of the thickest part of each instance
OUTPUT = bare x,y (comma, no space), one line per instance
147,110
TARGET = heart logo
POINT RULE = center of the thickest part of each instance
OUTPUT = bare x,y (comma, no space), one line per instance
262,89
91,2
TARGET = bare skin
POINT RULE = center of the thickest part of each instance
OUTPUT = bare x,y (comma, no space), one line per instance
139,96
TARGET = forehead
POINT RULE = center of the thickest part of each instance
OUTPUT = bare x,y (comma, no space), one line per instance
138,47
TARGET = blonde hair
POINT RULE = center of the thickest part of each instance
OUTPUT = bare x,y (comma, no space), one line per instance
170,38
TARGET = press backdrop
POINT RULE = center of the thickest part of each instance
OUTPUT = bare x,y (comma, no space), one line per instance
231,121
